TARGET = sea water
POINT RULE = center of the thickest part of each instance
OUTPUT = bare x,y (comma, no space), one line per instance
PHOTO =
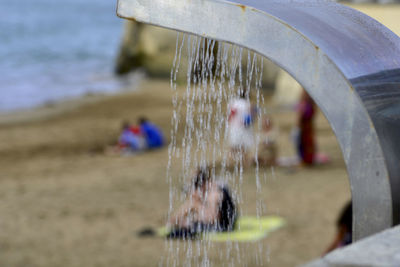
50,50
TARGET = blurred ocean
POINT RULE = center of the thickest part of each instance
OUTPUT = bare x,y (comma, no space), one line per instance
51,50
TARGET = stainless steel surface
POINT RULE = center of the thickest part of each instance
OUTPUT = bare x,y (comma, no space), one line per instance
348,63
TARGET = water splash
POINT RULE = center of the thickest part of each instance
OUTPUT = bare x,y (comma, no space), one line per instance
215,76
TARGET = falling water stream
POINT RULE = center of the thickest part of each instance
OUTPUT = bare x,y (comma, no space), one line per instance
216,73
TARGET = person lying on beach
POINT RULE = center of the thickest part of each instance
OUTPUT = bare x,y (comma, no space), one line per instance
209,207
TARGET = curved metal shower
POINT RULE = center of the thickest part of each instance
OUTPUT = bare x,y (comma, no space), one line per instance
347,62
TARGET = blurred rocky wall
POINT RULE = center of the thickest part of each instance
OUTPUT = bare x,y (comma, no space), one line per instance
148,47
153,49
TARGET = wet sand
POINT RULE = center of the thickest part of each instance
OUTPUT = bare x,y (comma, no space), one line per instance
63,202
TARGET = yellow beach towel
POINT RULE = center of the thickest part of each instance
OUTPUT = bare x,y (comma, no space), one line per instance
248,229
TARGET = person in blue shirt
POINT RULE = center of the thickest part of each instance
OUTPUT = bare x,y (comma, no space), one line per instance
154,136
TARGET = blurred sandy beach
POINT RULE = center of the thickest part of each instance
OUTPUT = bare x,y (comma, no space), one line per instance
63,202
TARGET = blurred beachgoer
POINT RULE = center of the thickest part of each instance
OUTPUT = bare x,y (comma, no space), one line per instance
131,138
267,147
208,207
154,136
344,229
306,147
240,130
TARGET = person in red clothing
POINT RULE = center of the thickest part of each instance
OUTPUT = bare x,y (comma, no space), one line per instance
131,138
306,140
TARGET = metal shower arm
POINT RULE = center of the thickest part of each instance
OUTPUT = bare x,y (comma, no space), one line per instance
348,63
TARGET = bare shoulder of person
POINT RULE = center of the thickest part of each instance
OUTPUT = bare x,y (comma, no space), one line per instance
216,194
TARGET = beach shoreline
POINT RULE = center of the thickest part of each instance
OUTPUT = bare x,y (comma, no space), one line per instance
59,107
